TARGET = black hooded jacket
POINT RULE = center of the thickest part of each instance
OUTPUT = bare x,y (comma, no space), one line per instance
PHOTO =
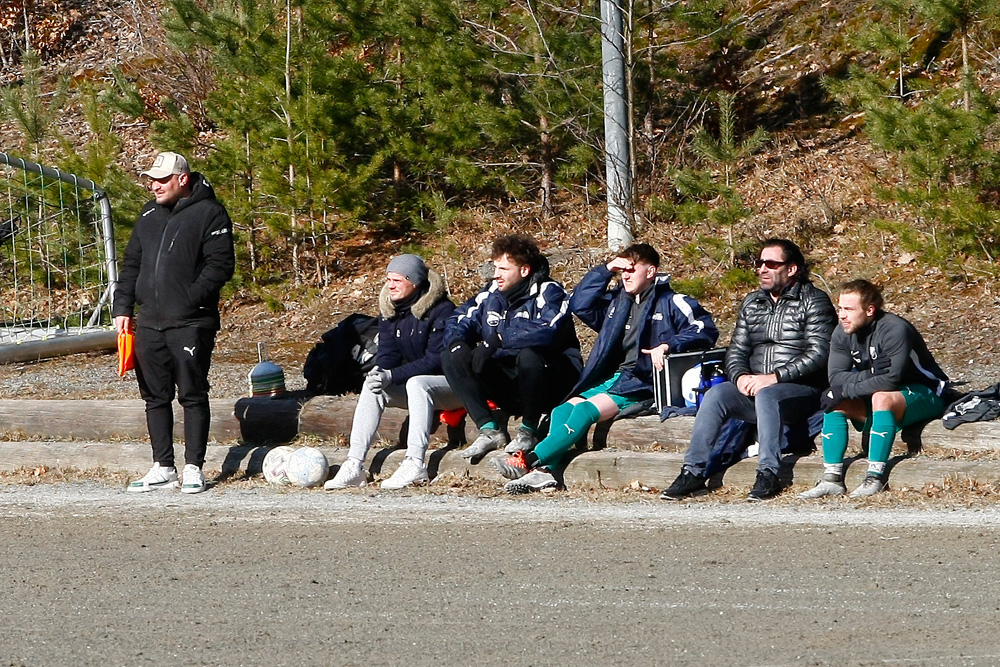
177,261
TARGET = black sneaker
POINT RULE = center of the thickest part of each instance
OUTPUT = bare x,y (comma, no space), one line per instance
686,484
766,486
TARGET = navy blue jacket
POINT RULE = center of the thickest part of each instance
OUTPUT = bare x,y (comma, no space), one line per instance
667,317
410,342
539,319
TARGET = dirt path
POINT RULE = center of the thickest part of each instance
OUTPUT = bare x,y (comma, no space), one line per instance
95,576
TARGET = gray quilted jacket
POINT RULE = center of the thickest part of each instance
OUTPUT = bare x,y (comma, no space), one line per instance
789,337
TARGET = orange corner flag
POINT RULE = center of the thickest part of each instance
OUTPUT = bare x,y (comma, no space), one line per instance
126,354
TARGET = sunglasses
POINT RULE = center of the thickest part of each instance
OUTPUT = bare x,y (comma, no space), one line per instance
770,263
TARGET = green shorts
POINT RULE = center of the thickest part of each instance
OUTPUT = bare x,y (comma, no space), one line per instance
922,405
621,401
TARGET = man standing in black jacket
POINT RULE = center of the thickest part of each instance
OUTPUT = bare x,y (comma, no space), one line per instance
776,366
176,262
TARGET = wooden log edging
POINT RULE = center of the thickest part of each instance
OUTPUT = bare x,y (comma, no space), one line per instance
258,422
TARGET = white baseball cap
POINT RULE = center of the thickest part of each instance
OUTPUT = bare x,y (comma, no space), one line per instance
167,164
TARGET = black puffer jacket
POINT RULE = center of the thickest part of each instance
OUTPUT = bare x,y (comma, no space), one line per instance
177,261
789,337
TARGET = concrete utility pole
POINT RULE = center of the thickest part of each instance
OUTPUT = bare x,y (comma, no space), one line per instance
616,136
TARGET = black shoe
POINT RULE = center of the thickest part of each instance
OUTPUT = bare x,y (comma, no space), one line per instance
766,486
685,485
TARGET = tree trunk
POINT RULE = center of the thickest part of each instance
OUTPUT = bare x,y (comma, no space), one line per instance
548,167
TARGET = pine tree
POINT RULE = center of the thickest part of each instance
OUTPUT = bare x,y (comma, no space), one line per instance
940,139
706,196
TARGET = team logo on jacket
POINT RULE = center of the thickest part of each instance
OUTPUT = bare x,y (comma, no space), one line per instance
493,318
657,316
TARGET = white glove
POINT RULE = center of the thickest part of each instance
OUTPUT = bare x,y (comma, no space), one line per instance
377,379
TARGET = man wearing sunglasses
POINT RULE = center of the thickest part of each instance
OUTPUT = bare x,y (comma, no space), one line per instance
776,365
177,260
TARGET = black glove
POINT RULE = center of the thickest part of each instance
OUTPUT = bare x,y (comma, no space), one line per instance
881,365
831,398
458,350
494,340
481,355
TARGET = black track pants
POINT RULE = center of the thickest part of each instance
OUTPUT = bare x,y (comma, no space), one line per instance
168,360
530,384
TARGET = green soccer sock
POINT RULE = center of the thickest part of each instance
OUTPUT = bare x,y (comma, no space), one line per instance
564,433
560,414
881,437
834,437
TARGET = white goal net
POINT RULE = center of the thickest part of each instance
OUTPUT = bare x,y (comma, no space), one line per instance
57,262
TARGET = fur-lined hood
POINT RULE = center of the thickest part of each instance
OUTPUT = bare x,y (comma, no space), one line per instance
422,306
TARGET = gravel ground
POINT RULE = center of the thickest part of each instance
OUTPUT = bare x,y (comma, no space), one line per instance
246,577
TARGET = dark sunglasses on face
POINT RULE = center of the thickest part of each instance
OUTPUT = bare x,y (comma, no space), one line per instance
770,263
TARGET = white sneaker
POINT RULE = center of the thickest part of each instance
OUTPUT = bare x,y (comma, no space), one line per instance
488,440
410,471
873,484
538,479
157,478
830,485
351,473
193,479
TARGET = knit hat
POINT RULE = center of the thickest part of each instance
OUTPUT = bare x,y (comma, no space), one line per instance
410,267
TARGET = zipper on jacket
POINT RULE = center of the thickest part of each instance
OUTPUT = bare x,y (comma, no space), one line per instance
156,266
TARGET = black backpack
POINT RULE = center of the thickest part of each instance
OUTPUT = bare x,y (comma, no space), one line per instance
338,364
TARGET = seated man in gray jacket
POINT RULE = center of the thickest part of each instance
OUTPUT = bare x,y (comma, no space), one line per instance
882,378
776,365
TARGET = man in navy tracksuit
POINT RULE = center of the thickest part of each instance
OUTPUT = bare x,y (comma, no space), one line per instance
639,323
514,344
176,262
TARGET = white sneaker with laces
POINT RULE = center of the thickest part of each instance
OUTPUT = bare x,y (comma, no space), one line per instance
538,479
351,473
193,479
410,471
158,477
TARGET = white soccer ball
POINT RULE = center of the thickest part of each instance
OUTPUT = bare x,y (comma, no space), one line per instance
307,466
275,465
690,382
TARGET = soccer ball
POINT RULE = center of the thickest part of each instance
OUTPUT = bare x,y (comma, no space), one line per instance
275,465
307,466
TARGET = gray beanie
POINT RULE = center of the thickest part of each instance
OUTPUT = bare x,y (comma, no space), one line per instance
410,267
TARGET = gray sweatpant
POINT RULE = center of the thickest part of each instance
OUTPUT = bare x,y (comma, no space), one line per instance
422,395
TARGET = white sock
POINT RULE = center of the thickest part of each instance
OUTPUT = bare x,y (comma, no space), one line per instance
834,469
